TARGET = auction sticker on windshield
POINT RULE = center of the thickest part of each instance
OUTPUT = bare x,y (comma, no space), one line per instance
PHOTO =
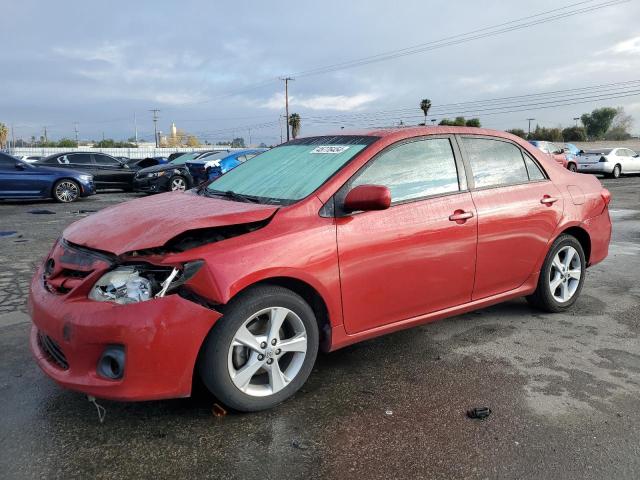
335,149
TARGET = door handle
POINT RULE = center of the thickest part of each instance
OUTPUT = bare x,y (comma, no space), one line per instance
547,200
460,216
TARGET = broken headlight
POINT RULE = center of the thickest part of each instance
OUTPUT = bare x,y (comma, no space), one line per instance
139,283
122,285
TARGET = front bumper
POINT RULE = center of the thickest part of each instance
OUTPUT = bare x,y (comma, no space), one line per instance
161,339
596,167
151,185
87,188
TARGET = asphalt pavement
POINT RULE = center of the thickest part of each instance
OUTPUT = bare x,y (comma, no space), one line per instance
564,390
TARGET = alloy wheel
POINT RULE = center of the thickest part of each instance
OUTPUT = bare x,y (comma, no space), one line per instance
565,274
616,171
267,351
66,191
178,184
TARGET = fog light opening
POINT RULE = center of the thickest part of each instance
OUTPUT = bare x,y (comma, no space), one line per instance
111,363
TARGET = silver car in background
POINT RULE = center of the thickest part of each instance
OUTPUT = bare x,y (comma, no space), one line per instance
612,162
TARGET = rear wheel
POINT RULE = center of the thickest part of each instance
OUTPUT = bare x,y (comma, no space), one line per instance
178,183
561,277
66,191
572,167
616,172
262,350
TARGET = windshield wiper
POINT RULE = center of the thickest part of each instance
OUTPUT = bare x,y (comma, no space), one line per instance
233,195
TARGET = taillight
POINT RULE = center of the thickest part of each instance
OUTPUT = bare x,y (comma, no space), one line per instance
603,159
606,196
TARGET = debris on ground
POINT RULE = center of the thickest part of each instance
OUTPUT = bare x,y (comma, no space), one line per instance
479,413
42,211
388,412
299,444
218,410
84,212
102,412
8,233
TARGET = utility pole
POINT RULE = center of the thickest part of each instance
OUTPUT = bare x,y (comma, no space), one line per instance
576,119
155,112
530,120
13,139
75,129
286,100
45,135
135,126
249,144
280,117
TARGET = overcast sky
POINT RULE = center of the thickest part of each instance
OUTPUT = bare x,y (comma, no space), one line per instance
212,67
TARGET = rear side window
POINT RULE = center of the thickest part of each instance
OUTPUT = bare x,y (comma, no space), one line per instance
494,163
414,170
534,171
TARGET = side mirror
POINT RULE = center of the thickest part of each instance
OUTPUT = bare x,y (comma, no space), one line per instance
366,198
19,166
636,155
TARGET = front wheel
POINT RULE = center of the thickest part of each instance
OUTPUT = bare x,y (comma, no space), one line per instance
572,167
178,184
561,277
66,191
261,351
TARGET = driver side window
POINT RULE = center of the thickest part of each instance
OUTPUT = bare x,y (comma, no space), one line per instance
413,170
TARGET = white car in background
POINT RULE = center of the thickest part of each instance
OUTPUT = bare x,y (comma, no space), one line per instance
30,158
613,162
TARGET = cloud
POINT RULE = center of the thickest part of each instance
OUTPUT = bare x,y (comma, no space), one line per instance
340,103
630,46
107,52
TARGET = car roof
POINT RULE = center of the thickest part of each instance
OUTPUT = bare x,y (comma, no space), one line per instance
391,134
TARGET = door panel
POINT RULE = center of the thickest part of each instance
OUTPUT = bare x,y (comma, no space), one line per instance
514,228
110,171
405,261
81,162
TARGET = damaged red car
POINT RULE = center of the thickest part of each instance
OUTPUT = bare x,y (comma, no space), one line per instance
316,244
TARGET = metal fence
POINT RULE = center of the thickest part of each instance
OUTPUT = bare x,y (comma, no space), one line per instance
140,152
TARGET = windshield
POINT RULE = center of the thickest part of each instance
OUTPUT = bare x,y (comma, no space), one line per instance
292,171
213,156
187,157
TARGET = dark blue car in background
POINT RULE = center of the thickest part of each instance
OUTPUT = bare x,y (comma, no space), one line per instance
215,164
21,180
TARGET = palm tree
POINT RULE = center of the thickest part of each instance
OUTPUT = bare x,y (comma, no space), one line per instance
294,123
4,133
425,105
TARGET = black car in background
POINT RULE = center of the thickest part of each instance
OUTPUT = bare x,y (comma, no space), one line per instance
140,163
165,177
107,171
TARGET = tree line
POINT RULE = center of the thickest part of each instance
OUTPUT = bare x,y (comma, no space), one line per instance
601,124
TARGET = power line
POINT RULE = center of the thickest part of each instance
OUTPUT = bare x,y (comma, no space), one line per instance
505,27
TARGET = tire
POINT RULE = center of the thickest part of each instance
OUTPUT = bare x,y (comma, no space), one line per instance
554,272
178,183
223,356
616,172
66,191
572,167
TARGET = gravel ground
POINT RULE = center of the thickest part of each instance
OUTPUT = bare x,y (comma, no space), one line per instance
563,390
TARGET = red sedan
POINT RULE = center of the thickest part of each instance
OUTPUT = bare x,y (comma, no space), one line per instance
319,243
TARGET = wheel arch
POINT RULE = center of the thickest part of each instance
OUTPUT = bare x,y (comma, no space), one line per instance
582,236
310,295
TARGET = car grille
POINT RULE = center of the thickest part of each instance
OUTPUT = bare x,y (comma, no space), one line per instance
52,351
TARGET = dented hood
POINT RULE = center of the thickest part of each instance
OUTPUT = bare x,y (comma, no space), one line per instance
153,221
